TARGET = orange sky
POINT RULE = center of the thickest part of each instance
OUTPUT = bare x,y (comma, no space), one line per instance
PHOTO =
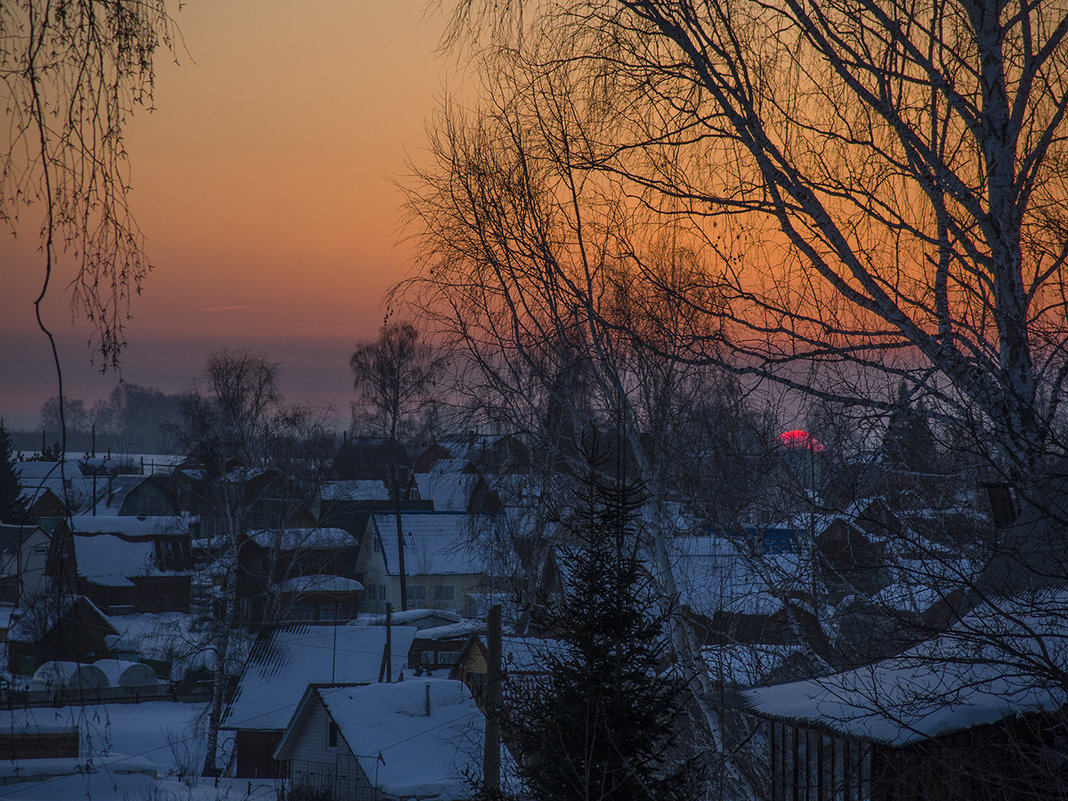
262,182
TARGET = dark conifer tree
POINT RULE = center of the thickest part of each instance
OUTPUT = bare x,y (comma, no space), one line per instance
603,724
12,504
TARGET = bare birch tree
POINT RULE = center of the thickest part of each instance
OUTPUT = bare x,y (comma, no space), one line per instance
73,72
889,176
873,193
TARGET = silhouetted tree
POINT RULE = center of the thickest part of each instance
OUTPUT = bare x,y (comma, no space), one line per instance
394,377
12,504
605,723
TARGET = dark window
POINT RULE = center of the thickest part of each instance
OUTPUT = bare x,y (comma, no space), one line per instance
331,735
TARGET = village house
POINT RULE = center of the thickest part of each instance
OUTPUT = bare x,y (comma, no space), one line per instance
731,597
123,564
132,495
261,497
298,575
49,493
441,567
523,660
417,739
282,665
435,650
349,504
23,555
965,715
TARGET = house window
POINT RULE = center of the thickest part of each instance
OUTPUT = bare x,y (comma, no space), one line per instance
416,592
444,592
448,657
427,657
331,735
376,544
476,681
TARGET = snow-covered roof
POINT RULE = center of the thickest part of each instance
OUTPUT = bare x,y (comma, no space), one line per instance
319,583
41,617
294,657
528,654
435,543
37,469
454,631
413,739
111,493
78,492
985,668
420,618
292,539
130,525
446,485
111,561
713,575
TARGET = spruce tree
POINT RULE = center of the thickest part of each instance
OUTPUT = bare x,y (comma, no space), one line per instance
12,504
603,724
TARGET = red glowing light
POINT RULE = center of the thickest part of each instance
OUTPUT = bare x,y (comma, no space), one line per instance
800,440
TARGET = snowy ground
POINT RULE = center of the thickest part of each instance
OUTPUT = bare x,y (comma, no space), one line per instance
133,752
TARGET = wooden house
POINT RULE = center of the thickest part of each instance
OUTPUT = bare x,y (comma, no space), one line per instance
282,665
124,564
441,567
23,555
416,739
523,660
52,493
298,575
349,504
137,496
435,650
970,714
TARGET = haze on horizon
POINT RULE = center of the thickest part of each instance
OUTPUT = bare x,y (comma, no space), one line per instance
262,182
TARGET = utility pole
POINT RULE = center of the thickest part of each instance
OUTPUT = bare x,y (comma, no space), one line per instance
386,668
491,759
400,539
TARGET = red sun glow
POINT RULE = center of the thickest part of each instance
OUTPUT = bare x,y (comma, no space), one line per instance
800,440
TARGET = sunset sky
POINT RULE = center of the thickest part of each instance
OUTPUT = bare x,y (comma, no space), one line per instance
263,185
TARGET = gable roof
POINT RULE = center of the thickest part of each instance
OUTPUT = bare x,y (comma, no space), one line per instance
287,660
713,574
435,543
447,484
413,739
985,668
13,536
41,619
110,550
112,492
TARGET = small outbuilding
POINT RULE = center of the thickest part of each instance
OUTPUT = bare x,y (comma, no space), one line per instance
121,673
73,676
